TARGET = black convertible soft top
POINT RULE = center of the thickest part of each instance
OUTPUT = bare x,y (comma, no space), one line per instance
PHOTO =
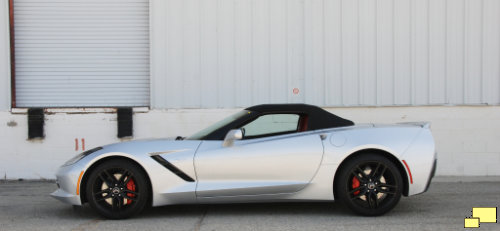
315,117
318,117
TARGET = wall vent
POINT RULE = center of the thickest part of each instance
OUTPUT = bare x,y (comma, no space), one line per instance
36,120
125,122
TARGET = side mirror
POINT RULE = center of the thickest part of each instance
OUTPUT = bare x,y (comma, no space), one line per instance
231,136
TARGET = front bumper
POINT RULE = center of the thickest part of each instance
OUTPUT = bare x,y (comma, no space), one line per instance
68,178
66,197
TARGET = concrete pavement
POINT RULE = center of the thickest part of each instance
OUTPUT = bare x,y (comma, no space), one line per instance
26,205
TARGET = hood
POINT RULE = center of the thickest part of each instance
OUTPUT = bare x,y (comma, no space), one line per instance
152,146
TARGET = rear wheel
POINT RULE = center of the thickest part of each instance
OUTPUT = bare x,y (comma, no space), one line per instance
117,189
370,185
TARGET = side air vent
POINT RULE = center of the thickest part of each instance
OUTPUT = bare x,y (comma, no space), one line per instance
172,168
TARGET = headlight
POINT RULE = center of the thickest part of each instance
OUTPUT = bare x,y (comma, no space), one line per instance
81,155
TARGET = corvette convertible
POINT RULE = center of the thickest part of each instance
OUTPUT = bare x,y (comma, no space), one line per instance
264,153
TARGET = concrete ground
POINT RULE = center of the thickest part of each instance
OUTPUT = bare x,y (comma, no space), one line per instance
26,205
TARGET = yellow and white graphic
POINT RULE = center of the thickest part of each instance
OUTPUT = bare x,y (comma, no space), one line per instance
471,222
481,215
485,215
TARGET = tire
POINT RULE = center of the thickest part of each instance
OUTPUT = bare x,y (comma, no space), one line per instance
117,189
369,185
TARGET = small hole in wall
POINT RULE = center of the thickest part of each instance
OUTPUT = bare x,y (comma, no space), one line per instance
12,123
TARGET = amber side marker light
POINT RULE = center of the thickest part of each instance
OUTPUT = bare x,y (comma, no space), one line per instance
78,183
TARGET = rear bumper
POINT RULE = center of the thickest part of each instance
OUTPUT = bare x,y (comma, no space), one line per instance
433,172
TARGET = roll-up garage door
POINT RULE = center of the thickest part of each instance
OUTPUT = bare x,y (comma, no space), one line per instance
81,53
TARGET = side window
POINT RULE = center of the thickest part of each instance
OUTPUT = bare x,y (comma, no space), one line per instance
272,124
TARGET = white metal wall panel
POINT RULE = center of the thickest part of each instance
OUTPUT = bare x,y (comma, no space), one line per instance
82,53
491,52
455,50
402,52
235,53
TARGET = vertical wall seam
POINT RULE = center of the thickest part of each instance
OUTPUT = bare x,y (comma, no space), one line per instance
183,51
167,64
235,103
358,56
302,51
200,60
465,59
376,53
411,53
252,10
393,54
323,53
218,80
446,96
287,54
270,82
483,89
341,57
303,79
428,53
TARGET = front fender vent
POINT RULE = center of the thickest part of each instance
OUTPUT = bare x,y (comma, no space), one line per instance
172,168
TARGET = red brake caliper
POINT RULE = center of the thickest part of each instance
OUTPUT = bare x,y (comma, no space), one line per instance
355,184
131,187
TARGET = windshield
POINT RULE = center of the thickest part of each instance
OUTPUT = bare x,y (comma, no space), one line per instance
199,135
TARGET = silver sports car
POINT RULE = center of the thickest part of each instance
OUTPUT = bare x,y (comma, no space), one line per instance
265,153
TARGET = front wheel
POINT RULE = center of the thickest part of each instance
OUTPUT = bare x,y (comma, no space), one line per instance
369,185
117,189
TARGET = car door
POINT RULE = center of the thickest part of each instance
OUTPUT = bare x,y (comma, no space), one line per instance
272,158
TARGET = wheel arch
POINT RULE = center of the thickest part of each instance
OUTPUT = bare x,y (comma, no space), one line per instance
83,183
388,155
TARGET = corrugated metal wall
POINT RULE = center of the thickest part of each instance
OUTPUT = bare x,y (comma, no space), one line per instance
235,53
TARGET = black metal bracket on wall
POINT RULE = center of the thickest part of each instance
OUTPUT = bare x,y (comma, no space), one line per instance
36,121
125,122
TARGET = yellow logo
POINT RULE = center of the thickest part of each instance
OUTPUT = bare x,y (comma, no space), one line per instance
481,215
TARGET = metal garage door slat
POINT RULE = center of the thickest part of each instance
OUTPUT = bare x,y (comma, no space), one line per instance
82,53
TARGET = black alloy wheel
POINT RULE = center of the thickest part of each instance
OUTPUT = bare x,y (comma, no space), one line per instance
370,185
117,189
